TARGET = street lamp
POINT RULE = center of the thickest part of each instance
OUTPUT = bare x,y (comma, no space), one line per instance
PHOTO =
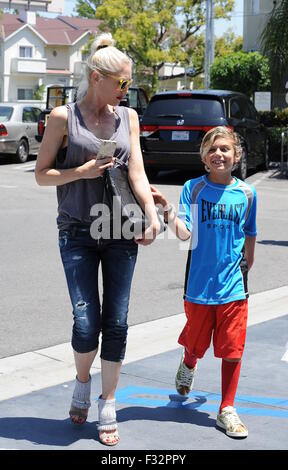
209,40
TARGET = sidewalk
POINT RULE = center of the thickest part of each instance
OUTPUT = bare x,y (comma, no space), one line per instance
36,390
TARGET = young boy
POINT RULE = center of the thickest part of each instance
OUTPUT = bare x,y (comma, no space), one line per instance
218,212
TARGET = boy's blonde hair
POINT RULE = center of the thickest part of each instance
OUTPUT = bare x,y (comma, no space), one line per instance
222,132
105,58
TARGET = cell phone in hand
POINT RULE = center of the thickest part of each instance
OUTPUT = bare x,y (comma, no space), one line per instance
106,150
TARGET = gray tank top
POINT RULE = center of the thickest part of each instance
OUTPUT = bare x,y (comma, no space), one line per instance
76,199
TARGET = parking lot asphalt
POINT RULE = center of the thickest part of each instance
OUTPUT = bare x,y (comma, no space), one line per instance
36,390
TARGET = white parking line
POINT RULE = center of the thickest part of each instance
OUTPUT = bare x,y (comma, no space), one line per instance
25,166
6,186
259,180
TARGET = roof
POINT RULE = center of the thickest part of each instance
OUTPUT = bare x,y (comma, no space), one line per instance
60,31
58,72
208,92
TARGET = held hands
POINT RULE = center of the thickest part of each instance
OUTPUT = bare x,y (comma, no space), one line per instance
95,168
159,199
147,237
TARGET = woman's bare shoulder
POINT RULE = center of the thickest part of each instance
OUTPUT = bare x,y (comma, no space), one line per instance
60,112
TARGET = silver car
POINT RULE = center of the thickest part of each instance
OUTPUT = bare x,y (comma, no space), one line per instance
18,128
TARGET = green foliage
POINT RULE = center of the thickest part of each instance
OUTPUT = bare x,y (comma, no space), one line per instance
228,44
274,42
153,32
38,93
275,118
276,122
240,71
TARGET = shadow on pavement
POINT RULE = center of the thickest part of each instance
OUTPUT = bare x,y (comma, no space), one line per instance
273,242
57,432
43,431
163,414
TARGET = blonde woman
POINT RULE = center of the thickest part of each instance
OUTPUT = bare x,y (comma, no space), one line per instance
68,160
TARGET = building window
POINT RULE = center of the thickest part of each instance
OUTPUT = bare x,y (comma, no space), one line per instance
25,94
25,51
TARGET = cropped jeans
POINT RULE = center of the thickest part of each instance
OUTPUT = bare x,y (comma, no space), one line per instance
81,256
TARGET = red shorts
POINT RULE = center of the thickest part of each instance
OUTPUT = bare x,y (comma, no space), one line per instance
227,322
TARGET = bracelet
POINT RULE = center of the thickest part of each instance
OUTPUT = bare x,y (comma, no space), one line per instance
167,212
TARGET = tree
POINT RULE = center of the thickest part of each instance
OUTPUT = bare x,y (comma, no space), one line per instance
228,43
274,40
242,71
153,32
38,93
224,45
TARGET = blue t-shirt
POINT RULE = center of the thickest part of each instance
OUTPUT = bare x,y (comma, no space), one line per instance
218,217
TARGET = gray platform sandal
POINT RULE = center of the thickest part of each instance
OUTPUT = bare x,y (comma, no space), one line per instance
107,424
80,402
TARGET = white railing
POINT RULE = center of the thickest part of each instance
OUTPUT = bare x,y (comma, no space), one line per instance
28,65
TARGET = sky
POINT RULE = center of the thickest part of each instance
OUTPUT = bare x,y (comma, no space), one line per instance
220,26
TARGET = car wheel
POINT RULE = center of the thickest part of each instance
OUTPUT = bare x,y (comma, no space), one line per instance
22,151
241,170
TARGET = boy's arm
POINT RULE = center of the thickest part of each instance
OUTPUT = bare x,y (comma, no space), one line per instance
170,217
177,225
249,250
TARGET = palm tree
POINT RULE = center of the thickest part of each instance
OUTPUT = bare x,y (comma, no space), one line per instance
274,43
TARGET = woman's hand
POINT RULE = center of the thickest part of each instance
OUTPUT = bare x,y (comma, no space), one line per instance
95,168
147,237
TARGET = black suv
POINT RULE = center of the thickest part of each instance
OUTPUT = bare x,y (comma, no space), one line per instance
137,99
175,122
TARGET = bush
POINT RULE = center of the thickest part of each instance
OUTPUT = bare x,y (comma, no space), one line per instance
39,92
245,72
274,118
276,122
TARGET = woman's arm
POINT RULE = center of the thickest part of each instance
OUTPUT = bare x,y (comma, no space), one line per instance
139,182
56,134
249,250
170,217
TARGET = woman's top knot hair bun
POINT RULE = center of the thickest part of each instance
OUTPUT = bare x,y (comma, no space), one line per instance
110,61
102,41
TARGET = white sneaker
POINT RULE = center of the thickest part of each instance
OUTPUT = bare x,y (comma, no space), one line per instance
229,420
184,378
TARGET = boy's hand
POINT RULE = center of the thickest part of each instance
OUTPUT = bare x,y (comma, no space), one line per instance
159,199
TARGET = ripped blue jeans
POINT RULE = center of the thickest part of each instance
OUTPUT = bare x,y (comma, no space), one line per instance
81,256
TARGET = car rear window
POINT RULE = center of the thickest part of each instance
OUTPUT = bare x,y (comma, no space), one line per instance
5,113
189,107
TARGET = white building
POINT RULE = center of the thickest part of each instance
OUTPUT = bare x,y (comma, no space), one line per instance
36,50
256,15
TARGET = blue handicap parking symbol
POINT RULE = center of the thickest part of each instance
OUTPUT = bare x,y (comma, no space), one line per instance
202,401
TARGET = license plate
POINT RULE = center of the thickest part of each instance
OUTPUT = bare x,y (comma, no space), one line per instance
180,135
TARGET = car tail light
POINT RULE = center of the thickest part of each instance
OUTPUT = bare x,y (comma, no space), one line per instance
41,127
3,131
145,131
